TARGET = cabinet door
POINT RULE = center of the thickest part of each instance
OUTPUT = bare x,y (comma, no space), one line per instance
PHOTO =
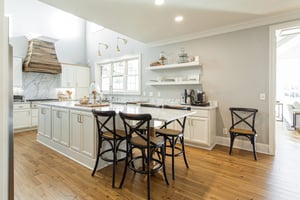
60,126
65,128
199,130
75,130
88,135
44,121
67,76
22,118
82,77
56,125
17,72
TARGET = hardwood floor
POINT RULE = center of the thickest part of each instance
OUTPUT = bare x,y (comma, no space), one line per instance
41,173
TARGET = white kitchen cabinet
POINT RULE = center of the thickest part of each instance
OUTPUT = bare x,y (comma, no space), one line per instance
17,71
82,132
21,116
44,121
60,125
77,77
201,128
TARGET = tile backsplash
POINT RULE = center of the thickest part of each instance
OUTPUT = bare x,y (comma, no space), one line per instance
40,85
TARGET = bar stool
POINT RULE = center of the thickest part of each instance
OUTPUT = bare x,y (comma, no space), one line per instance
171,136
137,128
157,123
113,137
243,124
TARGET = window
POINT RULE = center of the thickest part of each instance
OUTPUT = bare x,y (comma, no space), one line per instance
122,76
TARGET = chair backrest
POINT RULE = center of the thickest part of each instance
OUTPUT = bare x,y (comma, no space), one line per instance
180,122
102,119
138,124
151,105
243,118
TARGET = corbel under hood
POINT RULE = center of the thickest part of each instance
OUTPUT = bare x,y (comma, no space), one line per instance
41,57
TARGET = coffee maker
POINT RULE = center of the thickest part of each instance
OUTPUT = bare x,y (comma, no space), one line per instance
200,98
194,97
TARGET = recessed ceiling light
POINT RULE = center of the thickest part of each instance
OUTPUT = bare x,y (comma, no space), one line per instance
159,2
178,18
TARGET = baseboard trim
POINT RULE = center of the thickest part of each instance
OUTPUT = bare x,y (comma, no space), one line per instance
243,144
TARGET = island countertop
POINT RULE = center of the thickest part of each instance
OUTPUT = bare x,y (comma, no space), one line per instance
160,114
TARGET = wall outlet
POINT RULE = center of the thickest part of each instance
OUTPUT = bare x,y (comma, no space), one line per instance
158,94
225,132
262,96
150,94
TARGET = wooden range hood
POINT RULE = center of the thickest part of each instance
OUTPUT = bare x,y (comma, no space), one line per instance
41,58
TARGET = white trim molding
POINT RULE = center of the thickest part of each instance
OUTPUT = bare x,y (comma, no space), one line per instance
272,80
243,144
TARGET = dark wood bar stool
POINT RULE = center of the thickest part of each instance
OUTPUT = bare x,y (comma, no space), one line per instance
243,124
171,137
137,128
113,137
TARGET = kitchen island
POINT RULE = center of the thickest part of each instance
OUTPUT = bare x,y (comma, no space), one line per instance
71,130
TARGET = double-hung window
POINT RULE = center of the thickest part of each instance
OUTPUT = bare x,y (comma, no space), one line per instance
121,76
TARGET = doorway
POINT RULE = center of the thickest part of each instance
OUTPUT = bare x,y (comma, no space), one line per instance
281,39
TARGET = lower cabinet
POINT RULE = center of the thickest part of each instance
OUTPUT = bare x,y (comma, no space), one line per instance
82,132
44,121
60,126
25,117
200,128
22,116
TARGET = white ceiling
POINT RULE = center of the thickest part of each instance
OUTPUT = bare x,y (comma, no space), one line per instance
147,23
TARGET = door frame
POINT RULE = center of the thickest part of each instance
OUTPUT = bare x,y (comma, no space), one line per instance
272,80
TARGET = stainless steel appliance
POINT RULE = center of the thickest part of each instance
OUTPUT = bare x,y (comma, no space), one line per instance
194,97
18,98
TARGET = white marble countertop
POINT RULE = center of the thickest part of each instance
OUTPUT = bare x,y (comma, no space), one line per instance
157,113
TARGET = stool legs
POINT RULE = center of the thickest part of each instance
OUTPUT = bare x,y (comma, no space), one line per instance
98,156
183,151
173,142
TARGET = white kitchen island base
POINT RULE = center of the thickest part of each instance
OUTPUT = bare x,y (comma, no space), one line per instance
72,154
71,130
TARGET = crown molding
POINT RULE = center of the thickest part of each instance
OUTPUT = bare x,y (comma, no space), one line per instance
270,20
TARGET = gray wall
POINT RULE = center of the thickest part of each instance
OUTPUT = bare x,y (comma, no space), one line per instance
235,70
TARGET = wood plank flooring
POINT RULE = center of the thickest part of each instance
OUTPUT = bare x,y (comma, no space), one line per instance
41,173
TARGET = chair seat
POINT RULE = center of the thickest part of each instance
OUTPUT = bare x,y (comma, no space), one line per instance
168,132
154,141
242,131
110,136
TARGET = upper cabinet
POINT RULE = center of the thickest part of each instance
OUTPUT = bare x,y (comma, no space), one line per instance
17,72
191,79
76,76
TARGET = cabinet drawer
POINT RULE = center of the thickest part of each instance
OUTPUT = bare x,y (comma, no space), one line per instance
201,113
21,106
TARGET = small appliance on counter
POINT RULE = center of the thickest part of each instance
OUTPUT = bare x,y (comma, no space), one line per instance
19,98
194,98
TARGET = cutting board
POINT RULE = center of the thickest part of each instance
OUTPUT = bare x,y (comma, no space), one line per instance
93,105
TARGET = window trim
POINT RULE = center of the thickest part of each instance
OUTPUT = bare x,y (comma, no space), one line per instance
98,75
